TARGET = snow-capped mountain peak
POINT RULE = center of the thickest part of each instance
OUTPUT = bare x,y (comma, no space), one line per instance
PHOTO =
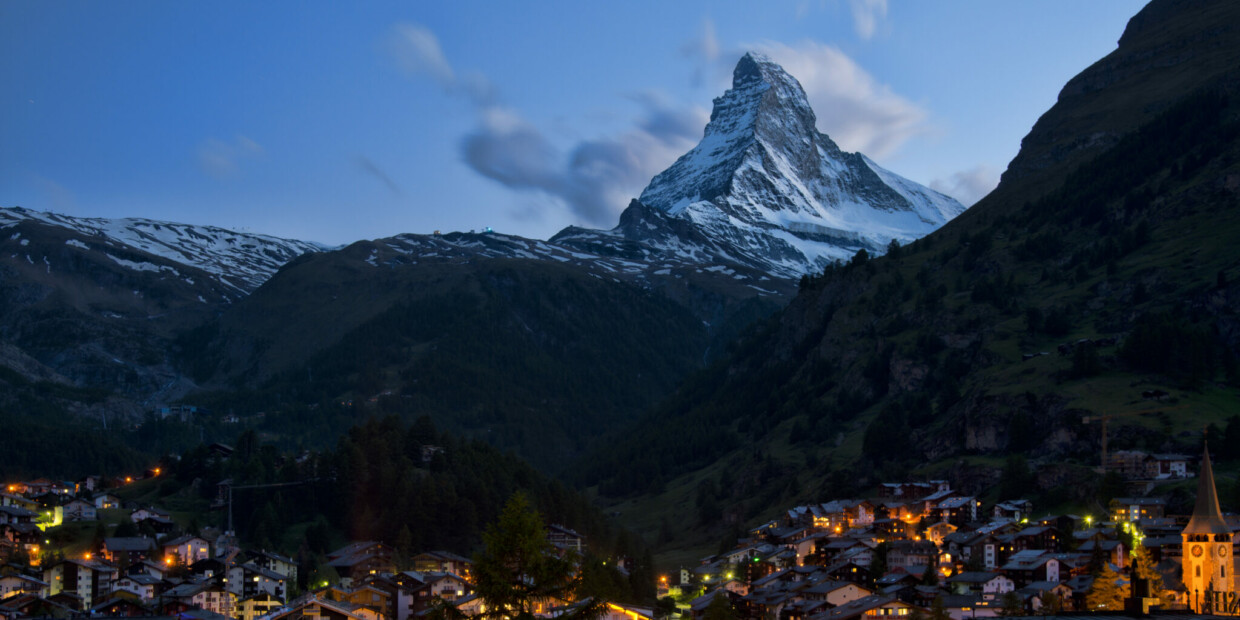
770,189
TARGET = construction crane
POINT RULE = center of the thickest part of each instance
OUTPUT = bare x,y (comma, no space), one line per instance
1106,417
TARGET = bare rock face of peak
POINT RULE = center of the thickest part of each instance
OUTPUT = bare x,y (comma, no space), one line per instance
771,191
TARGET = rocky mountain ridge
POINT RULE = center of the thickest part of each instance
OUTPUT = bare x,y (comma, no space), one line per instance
240,261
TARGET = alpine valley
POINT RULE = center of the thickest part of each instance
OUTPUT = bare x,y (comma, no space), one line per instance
536,345
771,322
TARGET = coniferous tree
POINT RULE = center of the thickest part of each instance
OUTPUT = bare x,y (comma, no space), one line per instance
1105,594
518,570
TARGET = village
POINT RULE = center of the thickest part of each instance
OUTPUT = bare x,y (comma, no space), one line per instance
919,549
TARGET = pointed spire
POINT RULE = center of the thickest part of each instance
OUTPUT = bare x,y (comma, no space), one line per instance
1207,518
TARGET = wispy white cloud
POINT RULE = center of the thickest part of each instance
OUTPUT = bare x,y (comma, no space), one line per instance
867,14
416,49
593,178
856,110
968,186
221,159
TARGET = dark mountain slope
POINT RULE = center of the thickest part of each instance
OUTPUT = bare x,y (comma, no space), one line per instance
95,313
528,354
887,366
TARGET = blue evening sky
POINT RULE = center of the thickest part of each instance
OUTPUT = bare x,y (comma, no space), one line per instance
339,121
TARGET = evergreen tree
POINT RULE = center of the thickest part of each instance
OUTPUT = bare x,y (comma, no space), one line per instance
518,570
1105,594
1013,605
1051,604
938,609
720,608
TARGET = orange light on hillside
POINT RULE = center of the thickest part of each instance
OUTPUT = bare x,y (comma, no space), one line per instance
128,479
156,471
86,556
168,561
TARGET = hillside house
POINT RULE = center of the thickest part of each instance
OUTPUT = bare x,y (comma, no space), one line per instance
565,538
89,580
1137,509
79,509
990,586
356,560
1032,566
960,510
248,580
18,583
443,562
876,606
106,501
1014,510
258,605
188,549
127,549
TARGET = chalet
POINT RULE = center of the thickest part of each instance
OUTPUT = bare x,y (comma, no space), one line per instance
960,510
203,595
106,501
187,549
1015,510
87,579
1032,566
907,553
157,522
377,595
1038,591
220,450
848,571
276,563
930,502
939,531
121,604
142,585
417,590
1164,466
127,549
356,560
1037,537
15,515
1131,464
990,586
79,510
442,562
258,605
18,583
1112,550
969,606
1137,509
248,580
876,606
974,547
35,606
18,501
565,538
835,593
90,484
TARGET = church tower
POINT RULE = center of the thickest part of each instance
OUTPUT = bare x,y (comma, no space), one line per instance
1207,561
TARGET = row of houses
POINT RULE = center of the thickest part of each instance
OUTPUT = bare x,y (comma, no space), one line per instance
918,543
